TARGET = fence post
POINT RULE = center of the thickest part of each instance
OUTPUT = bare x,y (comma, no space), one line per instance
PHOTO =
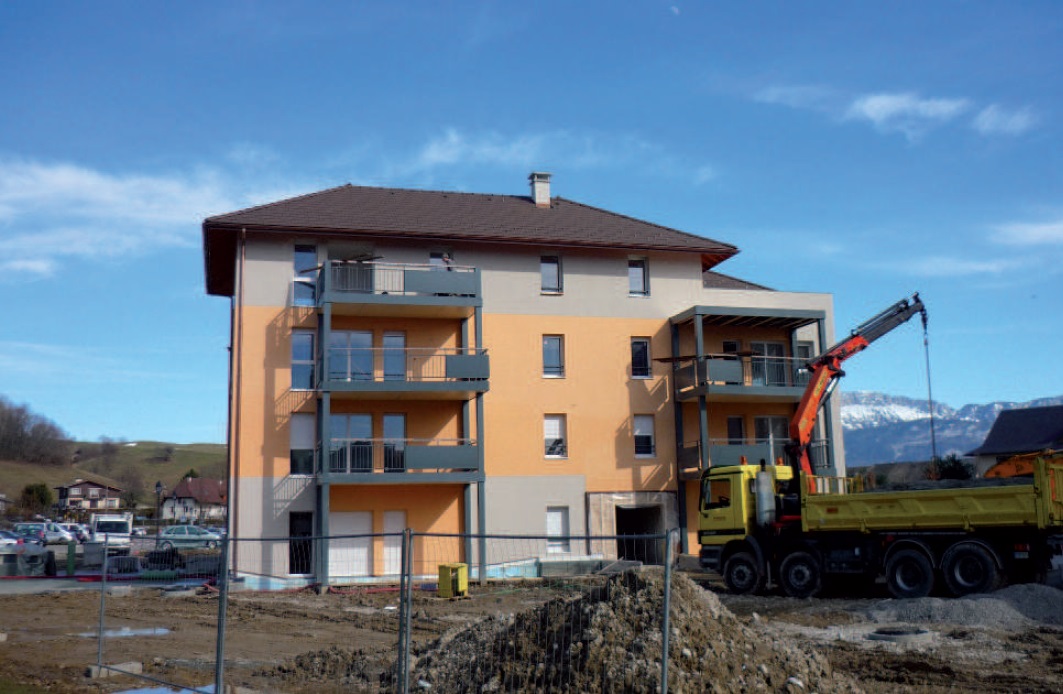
408,599
223,605
103,605
400,666
665,621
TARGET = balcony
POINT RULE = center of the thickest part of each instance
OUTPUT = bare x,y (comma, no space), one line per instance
394,289
738,377
397,461
724,452
405,373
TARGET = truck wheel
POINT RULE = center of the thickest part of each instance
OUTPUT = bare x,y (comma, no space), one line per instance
742,574
909,574
799,575
969,568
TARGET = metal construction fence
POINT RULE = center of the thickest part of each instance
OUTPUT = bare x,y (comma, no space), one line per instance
402,610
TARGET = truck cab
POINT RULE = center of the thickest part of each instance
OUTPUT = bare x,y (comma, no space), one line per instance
728,518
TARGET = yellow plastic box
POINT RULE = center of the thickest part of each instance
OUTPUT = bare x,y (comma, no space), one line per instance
453,580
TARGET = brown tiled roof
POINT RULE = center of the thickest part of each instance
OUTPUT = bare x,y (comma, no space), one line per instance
718,280
420,214
203,489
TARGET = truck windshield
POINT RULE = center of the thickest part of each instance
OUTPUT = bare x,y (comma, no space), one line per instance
112,527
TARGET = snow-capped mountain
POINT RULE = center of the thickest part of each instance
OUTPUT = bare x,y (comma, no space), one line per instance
882,428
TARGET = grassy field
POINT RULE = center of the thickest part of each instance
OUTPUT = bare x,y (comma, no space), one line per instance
118,464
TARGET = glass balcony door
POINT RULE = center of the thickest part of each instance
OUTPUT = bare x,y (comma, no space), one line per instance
351,449
769,363
351,355
394,356
394,442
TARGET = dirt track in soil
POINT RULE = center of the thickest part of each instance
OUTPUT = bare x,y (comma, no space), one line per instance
281,642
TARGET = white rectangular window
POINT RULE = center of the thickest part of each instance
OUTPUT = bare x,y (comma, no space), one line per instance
305,276
554,356
645,445
302,360
550,274
554,436
640,357
557,529
94,493
638,277
75,491
303,439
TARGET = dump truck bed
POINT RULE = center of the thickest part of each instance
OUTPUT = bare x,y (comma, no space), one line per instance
1037,504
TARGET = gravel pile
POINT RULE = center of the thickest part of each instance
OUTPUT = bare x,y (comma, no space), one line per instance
1015,607
609,639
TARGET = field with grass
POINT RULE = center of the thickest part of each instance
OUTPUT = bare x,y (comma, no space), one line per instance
133,465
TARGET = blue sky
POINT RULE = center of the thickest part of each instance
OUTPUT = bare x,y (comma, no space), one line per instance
863,149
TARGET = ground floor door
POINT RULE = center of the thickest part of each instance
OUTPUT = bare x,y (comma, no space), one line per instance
394,522
300,551
350,556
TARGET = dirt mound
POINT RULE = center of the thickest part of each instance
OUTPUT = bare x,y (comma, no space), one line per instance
609,639
1014,607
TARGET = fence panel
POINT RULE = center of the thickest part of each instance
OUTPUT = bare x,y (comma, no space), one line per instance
143,587
399,611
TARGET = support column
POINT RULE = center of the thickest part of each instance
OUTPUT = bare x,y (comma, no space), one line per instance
677,411
703,410
828,419
324,409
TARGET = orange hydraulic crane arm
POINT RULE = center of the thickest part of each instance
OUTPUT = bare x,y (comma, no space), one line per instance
825,370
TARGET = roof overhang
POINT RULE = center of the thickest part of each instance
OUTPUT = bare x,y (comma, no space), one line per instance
733,317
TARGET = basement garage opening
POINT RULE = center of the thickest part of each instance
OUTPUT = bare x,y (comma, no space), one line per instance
640,520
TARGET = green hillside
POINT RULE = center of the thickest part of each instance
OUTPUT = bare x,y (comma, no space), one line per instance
134,465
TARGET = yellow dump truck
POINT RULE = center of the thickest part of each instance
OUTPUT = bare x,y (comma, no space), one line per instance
971,539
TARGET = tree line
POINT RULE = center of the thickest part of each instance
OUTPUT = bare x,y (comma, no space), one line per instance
31,438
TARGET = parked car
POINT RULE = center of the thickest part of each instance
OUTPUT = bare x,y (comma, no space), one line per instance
50,532
30,532
139,531
22,557
79,531
188,536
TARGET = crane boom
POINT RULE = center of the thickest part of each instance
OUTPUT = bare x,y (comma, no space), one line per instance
825,370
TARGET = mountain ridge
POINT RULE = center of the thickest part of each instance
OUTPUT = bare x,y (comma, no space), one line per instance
883,428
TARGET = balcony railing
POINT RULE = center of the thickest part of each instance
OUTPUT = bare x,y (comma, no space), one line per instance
369,456
741,370
347,365
343,280
725,452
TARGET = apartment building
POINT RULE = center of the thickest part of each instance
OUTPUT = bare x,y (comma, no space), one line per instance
475,363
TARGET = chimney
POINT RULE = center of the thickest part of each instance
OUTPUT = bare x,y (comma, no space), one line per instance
540,186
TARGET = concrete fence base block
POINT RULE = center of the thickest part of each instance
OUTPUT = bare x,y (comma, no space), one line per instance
96,672
120,591
3,637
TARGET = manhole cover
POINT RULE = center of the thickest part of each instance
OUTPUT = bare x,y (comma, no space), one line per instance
900,634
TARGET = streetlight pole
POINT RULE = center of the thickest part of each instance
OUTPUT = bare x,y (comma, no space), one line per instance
159,488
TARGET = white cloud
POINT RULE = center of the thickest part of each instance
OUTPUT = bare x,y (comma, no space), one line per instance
996,120
801,96
549,151
905,112
1024,234
50,211
945,266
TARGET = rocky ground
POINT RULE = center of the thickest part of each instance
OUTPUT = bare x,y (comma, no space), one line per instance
600,635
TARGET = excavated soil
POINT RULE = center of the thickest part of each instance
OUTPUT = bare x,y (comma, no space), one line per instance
595,635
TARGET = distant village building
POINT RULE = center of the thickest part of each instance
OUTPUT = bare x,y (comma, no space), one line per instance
4,503
1014,432
196,499
86,495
